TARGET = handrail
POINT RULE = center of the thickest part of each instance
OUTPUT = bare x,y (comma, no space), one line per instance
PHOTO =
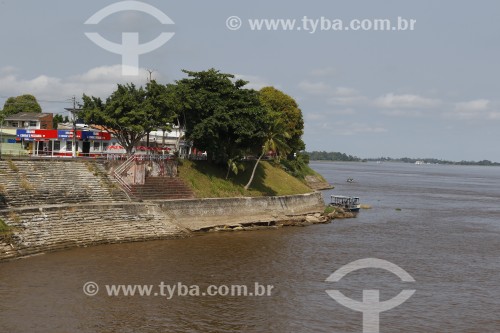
122,168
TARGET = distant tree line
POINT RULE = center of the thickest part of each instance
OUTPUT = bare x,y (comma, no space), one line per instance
434,161
332,156
337,156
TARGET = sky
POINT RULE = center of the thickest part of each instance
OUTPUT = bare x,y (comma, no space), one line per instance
428,92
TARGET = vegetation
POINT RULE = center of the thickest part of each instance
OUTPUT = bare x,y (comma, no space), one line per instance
59,119
14,217
336,156
287,110
332,156
25,184
219,115
23,103
130,112
275,141
329,209
3,227
434,161
5,231
12,166
207,180
299,167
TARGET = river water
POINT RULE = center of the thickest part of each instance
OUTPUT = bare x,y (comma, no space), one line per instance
441,224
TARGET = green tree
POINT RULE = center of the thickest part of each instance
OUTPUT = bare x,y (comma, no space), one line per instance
288,111
220,116
275,140
57,120
23,103
130,112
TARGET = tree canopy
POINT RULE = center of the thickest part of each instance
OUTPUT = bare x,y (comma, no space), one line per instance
220,116
287,110
217,112
130,112
22,103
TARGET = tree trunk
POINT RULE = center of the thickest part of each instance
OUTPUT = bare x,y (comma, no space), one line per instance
129,149
253,171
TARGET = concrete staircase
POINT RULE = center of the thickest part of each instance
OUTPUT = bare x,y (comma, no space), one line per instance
162,188
39,182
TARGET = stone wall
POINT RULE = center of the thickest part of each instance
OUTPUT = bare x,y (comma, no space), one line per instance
56,227
199,214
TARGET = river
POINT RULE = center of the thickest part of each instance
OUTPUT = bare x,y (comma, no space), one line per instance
441,224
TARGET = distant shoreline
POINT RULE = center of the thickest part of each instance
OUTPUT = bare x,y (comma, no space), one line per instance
342,157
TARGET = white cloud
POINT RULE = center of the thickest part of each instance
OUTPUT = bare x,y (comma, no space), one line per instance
347,97
345,128
345,91
343,96
475,109
324,72
316,88
254,82
472,106
392,101
8,70
343,112
100,82
402,113
347,100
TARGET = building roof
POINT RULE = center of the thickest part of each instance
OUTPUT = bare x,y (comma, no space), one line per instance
27,116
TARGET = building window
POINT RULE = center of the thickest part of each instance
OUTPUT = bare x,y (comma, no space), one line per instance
14,124
105,145
57,145
97,146
69,145
33,123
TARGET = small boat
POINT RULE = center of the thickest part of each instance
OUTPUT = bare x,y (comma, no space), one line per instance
348,203
350,180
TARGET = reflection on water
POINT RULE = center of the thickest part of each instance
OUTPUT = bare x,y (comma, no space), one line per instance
446,235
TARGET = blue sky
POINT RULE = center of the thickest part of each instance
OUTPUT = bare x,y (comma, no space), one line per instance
430,92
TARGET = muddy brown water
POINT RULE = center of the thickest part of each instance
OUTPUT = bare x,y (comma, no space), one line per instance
439,223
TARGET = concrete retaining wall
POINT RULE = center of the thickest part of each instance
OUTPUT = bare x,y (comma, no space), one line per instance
205,213
56,227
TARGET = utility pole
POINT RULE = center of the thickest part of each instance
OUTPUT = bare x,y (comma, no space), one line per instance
1,134
74,111
73,146
150,71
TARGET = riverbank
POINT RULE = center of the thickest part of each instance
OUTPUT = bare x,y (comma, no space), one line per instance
57,227
51,205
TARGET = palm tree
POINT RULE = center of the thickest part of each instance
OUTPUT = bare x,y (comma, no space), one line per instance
274,140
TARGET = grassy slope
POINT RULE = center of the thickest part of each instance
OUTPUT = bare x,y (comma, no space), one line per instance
301,170
208,181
